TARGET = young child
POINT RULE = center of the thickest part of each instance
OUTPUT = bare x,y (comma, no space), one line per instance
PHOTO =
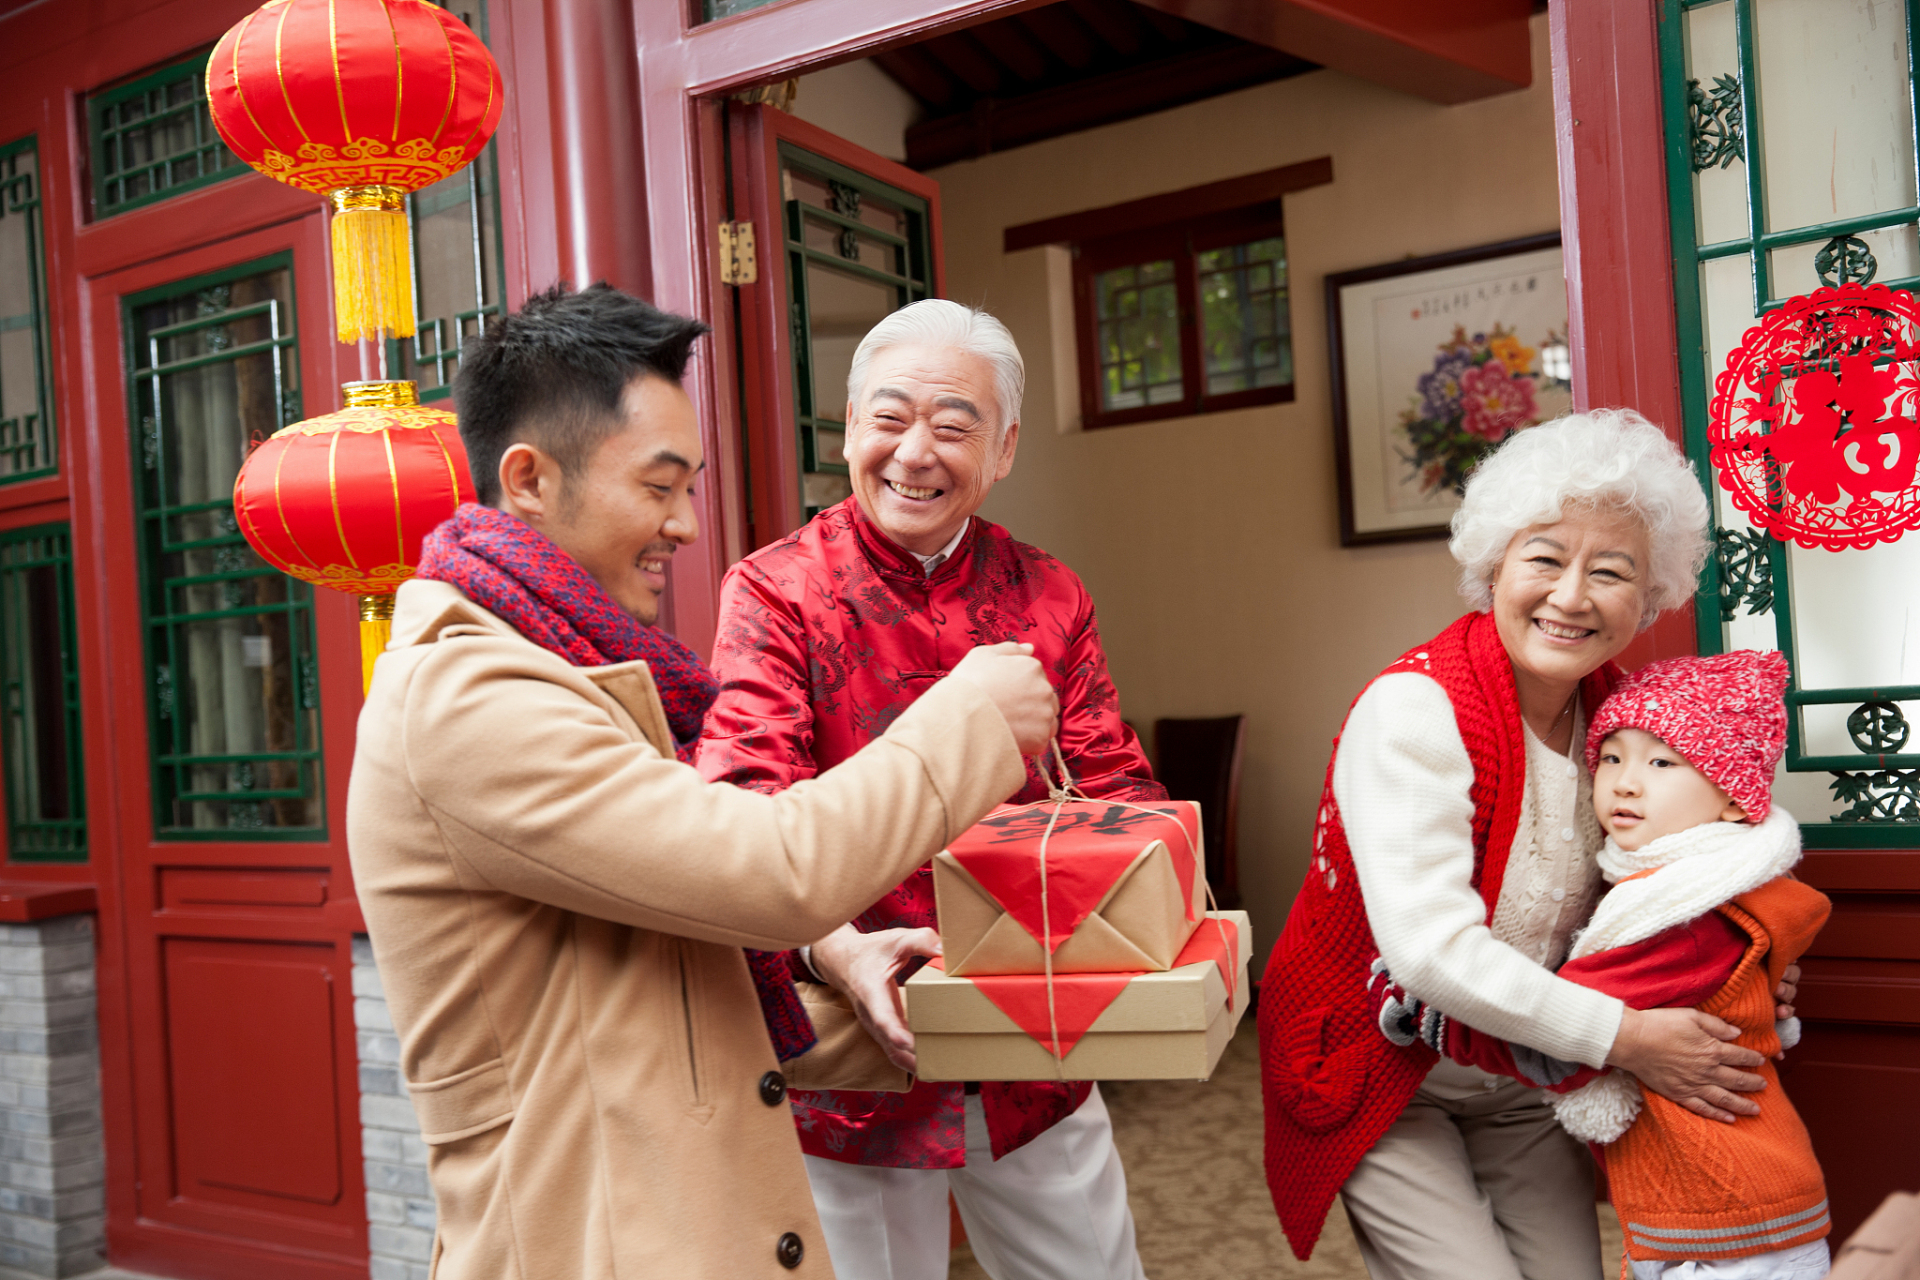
1704,912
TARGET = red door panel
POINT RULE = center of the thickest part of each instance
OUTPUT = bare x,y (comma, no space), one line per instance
229,1070
250,1041
1854,1075
794,317
1854,1086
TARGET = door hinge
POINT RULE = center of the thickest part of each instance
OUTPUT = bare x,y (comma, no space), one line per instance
737,262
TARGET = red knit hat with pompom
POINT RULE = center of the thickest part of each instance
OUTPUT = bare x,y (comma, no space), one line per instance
1726,714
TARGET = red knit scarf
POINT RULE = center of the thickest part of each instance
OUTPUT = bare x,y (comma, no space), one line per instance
510,568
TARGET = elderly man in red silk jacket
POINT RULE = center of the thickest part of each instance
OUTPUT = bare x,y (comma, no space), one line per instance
824,638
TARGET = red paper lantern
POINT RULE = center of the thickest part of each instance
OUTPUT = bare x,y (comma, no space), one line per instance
363,100
1813,428
343,501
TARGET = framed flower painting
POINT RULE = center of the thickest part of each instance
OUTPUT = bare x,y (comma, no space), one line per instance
1436,361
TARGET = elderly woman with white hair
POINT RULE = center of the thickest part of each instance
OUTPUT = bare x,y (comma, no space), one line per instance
1455,850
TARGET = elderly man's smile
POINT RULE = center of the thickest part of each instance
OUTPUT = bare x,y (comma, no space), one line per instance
916,494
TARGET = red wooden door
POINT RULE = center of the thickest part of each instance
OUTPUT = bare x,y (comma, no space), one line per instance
229,1052
842,236
1856,1071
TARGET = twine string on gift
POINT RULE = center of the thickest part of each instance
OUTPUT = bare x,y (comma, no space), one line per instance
1059,794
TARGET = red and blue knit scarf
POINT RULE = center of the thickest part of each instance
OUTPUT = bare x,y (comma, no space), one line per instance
505,565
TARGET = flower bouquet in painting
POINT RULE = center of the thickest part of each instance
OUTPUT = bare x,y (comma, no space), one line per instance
1481,389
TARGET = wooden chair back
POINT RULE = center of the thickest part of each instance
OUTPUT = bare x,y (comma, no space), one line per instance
1200,760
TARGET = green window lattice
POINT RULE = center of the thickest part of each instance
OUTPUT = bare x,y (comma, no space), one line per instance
857,249
712,9
152,138
233,675
458,266
26,381
1730,212
40,677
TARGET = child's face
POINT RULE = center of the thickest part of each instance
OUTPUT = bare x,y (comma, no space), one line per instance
1643,789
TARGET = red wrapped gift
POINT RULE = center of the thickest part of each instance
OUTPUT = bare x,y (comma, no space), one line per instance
1105,886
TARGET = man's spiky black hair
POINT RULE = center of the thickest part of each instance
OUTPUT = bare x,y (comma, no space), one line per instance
553,373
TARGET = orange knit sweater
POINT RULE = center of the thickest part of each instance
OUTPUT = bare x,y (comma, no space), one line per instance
1691,1188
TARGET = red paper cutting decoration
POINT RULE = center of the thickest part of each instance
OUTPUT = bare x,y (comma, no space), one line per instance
1812,428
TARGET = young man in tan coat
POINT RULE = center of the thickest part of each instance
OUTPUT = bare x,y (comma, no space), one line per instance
557,904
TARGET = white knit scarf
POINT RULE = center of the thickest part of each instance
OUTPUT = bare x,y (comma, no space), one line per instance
1694,871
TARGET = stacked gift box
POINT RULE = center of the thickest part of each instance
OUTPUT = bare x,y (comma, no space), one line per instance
1144,982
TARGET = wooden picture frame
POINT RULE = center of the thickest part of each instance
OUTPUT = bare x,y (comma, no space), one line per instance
1434,360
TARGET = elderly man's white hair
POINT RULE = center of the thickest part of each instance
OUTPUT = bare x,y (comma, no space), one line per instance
1611,459
937,322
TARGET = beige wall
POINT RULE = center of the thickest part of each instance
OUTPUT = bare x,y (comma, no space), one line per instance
1211,544
861,103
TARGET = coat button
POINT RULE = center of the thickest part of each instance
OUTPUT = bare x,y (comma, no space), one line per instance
773,1087
789,1251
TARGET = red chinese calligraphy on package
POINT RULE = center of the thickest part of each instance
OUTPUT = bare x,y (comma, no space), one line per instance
1813,430
1123,888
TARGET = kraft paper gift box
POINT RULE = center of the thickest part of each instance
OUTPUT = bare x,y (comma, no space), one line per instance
1125,888
1170,1025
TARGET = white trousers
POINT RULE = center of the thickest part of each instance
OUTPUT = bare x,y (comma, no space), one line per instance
1802,1262
1056,1209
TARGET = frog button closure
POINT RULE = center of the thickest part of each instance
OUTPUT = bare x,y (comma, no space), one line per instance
773,1088
789,1251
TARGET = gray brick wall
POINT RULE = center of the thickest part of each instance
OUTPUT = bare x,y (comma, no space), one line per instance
399,1201
52,1164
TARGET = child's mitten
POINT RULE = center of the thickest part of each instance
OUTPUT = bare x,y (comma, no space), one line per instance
1600,1110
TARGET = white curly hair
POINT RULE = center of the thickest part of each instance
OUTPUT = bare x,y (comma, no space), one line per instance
1607,458
938,322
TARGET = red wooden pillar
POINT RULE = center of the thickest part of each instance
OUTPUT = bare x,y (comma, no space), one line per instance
594,95
1615,229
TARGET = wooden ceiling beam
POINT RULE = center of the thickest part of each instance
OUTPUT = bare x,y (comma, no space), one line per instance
1113,21
966,61
1010,43
997,124
1453,52
1171,30
1064,35
920,76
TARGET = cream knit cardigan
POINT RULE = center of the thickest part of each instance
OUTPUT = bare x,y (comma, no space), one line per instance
1402,779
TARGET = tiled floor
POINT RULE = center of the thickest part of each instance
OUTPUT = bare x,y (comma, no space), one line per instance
1194,1174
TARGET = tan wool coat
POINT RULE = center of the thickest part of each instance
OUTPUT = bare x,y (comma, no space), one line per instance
557,907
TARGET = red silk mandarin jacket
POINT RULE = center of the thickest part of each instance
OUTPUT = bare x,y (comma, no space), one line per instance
825,637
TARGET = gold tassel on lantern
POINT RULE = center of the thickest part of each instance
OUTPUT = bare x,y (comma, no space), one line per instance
372,263
376,612
376,628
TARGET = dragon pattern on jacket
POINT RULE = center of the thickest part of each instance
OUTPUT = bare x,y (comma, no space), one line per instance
828,635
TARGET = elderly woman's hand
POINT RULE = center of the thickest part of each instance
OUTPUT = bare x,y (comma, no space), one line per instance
1684,1055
